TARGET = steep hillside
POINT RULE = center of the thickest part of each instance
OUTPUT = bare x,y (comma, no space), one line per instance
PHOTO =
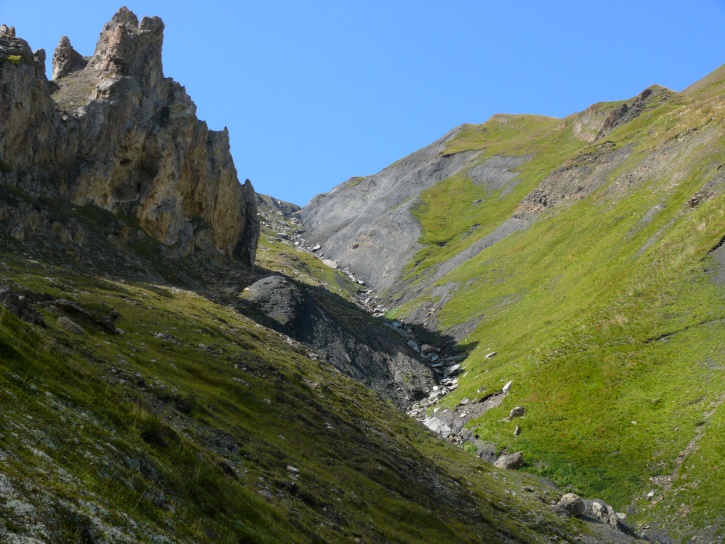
586,253
141,403
155,386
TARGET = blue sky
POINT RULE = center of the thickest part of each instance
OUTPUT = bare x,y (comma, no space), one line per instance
314,92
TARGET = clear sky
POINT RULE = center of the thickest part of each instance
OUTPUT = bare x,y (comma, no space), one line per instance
316,91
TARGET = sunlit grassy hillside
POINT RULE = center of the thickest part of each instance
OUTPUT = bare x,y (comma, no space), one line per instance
606,310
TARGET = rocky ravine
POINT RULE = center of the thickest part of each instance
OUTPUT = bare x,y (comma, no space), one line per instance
389,356
112,131
337,330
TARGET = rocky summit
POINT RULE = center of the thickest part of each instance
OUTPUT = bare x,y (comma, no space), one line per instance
513,335
111,131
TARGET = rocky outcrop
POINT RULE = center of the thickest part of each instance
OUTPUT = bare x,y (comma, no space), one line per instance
112,131
353,342
20,306
572,503
67,60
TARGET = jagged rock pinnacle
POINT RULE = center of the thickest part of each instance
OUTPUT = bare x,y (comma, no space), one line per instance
66,60
117,134
127,48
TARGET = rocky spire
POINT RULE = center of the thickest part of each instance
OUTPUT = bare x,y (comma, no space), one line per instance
66,60
6,30
121,136
127,48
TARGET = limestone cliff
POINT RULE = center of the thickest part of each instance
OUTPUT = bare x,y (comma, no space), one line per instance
112,131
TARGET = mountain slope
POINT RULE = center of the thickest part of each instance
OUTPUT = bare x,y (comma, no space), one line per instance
140,404
585,251
147,393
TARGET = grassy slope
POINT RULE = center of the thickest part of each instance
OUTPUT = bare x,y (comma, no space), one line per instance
601,318
184,429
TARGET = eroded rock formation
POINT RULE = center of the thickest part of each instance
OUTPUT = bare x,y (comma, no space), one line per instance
112,131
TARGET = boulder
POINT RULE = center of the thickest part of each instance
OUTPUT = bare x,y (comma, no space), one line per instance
517,411
427,349
572,503
279,300
511,461
604,513
20,306
69,325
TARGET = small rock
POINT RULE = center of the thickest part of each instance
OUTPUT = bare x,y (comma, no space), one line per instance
492,354
506,387
604,513
317,247
512,461
332,264
434,358
650,494
517,431
427,349
463,402
69,325
572,503
517,411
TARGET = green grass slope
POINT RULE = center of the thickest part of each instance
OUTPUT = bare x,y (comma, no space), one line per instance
192,423
604,312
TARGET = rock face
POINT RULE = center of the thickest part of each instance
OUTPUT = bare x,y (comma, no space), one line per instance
112,131
372,216
67,60
349,339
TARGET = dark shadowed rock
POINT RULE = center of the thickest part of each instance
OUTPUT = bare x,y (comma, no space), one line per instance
572,504
345,335
278,299
20,306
